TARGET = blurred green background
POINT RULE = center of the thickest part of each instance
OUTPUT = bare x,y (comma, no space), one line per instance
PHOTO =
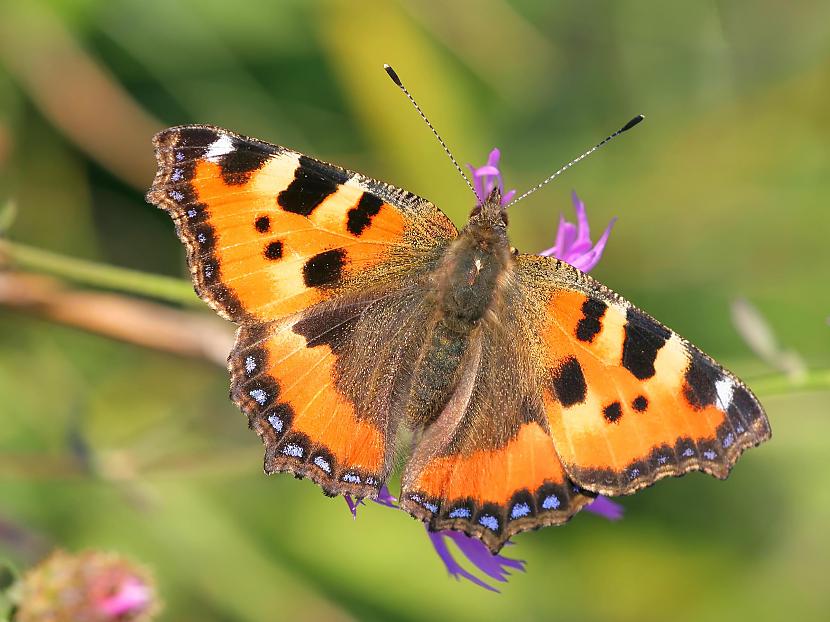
722,193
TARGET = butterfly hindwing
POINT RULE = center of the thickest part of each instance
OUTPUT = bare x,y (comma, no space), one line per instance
318,387
270,232
628,400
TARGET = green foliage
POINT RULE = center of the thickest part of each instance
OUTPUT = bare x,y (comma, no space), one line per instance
721,193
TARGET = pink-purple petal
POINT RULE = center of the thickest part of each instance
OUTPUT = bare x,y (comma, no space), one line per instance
573,241
386,498
591,259
486,171
453,567
603,506
488,177
492,565
352,503
584,229
132,597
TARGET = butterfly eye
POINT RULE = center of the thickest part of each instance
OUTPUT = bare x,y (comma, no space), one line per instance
514,251
504,216
476,211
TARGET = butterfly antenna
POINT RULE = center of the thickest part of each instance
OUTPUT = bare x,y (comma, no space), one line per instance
397,81
544,183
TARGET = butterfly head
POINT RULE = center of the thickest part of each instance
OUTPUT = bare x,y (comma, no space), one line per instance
483,242
490,213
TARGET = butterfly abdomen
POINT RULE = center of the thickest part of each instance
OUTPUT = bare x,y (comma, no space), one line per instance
467,281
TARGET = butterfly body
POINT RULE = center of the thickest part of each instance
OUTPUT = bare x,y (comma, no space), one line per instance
465,286
367,319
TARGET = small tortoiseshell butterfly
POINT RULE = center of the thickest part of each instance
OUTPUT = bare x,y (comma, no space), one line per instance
366,318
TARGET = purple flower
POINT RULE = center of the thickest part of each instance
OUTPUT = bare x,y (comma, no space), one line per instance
495,566
487,177
573,241
573,245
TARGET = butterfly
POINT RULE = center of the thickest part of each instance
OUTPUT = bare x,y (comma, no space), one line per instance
522,387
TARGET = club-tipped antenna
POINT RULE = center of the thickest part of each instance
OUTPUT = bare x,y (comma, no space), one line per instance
397,81
544,183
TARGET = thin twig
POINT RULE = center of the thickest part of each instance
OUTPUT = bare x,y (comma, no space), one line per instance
94,274
135,321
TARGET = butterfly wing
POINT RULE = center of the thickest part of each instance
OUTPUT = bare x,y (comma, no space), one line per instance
304,255
487,465
319,387
627,400
270,232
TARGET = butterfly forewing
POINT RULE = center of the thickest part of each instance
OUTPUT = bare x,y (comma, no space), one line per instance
627,399
271,232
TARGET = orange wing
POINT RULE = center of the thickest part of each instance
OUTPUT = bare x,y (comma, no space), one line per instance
270,232
304,255
627,400
487,465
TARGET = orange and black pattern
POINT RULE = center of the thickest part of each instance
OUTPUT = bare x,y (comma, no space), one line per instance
367,319
628,400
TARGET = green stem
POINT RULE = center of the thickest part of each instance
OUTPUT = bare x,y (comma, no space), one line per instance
777,384
94,274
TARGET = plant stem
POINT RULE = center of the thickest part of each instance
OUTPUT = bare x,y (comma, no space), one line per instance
778,384
94,274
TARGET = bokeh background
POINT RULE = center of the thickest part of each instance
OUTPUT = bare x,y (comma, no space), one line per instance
115,427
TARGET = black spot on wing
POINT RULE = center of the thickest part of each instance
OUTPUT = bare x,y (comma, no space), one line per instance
360,216
591,322
612,412
568,382
744,406
273,250
699,388
640,403
262,224
313,182
324,268
196,138
243,159
643,339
